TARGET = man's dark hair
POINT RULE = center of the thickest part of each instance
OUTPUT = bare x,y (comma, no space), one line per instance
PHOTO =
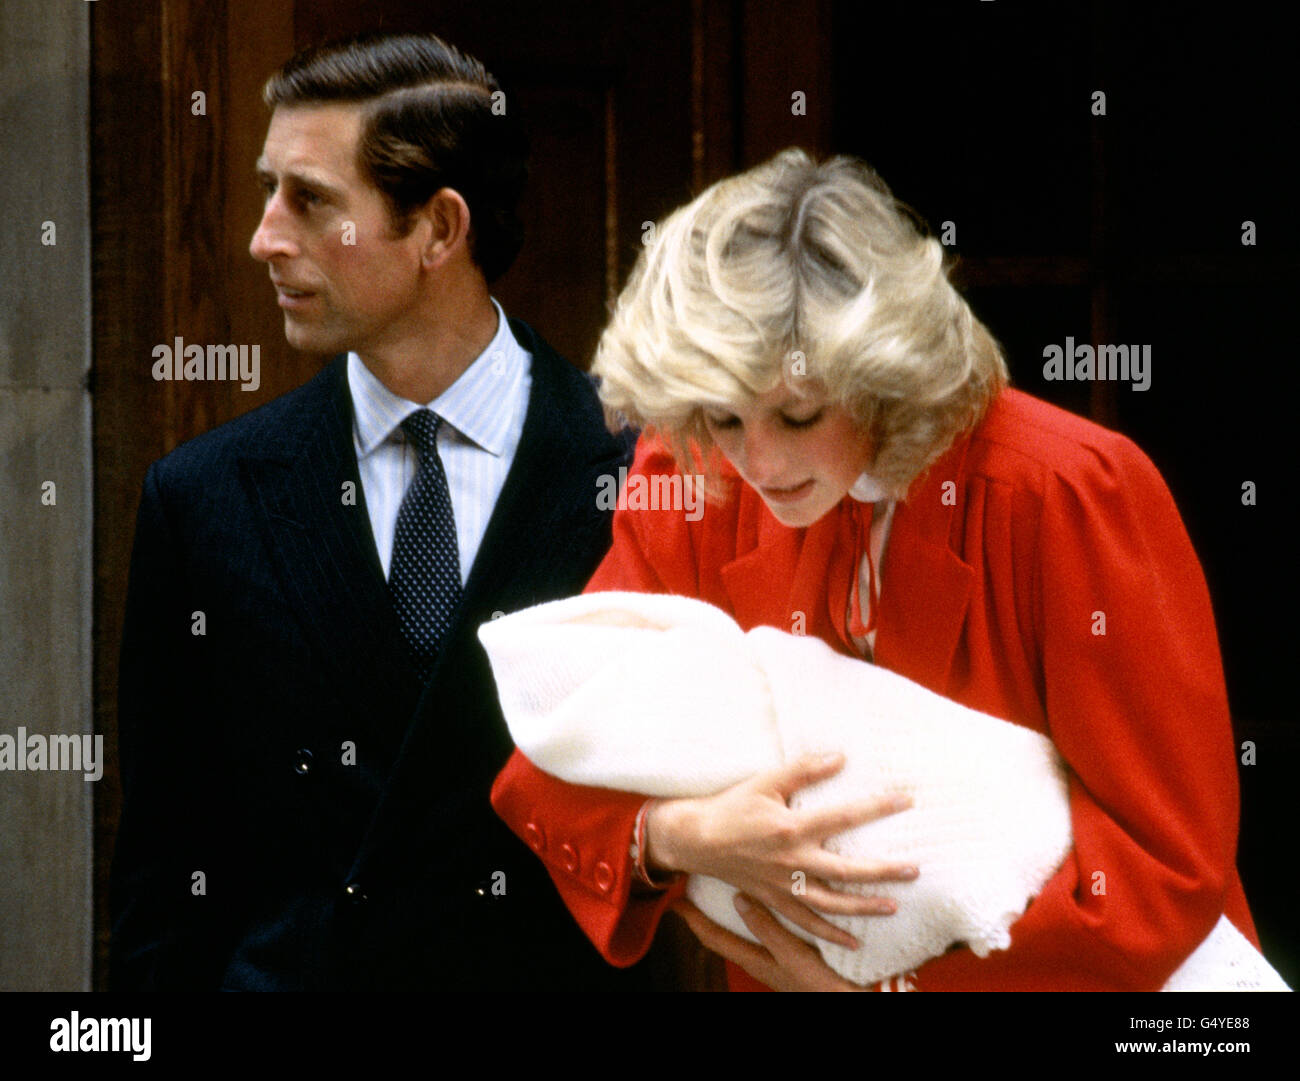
428,122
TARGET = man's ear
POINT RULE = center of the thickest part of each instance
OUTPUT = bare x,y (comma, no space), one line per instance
446,220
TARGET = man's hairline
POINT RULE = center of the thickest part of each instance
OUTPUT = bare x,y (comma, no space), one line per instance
400,222
360,102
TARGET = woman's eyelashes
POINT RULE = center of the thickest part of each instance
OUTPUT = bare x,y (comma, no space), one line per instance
722,420
729,420
802,422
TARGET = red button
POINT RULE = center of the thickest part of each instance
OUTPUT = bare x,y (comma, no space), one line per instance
570,857
534,836
604,877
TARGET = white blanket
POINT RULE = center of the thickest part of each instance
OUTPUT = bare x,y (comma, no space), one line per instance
667,696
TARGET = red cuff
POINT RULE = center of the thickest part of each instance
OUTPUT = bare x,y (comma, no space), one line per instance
583,835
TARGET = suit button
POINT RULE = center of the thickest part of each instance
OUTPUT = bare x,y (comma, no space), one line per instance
534,836
569,855
604,877
303,765
354,893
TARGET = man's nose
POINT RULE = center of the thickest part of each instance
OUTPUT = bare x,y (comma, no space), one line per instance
271,237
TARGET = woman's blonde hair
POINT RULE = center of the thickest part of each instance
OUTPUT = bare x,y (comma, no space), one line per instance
800,271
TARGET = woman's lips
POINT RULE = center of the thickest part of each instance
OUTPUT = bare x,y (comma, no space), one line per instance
787,495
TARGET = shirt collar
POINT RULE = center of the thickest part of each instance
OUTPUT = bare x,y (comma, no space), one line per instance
478,405
866,489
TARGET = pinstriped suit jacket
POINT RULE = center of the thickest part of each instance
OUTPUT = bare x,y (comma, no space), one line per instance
299,812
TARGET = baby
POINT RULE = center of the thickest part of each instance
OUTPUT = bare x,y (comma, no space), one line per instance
702,705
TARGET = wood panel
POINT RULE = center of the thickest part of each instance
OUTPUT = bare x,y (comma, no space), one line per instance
173,208
127,162
784,52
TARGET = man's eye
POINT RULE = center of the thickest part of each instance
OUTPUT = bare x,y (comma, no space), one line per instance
802,422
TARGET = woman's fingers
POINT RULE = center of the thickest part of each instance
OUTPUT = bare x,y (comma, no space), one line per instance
805,898
797,966
750,837
801,915
800,773
784,962
753,958
834,820
835,903
833,869
830,821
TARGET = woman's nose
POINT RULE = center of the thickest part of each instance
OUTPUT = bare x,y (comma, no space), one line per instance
764,458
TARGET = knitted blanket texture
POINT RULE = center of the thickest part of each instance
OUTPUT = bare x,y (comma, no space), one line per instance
667,696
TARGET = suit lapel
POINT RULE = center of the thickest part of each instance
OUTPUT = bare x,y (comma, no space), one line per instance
547,487
324,550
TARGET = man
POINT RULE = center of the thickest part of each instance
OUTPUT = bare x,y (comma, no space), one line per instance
309,729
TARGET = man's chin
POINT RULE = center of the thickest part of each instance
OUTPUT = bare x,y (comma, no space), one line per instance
307,339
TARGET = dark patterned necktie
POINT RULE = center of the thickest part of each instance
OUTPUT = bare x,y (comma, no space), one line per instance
424,576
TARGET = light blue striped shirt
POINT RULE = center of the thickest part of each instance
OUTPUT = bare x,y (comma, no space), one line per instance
483,419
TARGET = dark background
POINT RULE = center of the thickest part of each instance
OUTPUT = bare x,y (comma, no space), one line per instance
1124,228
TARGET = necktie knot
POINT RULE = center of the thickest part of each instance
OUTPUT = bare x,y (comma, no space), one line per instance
421,428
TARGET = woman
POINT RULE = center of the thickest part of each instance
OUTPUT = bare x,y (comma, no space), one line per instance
875,482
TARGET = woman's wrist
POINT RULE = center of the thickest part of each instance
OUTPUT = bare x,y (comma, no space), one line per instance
664,825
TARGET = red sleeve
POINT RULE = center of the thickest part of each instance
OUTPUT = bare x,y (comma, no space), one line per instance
583,835
1135,700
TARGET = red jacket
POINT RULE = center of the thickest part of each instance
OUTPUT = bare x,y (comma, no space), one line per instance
1039,571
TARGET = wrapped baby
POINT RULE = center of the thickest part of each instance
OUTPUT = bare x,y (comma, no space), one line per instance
667,696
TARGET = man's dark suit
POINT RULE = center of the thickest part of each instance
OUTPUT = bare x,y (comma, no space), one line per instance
325,867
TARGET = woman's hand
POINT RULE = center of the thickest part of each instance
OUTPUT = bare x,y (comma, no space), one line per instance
783,962
749,837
